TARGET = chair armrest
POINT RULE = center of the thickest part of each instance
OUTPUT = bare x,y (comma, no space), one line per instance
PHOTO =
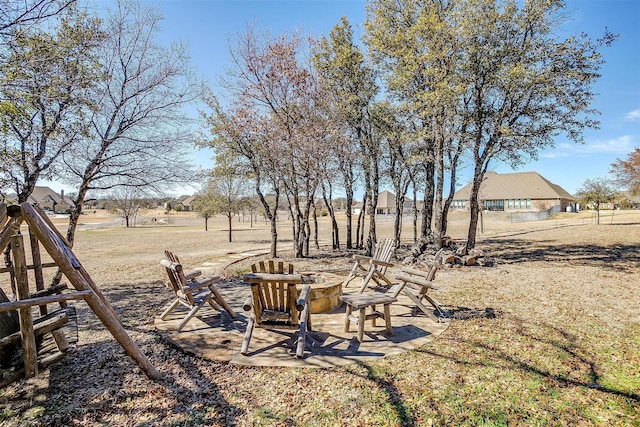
192,275
382,263
415,272
196,286
361,258
302,299
248,304
416,281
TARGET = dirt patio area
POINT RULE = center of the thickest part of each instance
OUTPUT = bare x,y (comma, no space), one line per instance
215,336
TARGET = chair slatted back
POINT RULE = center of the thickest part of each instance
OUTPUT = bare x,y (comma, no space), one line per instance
177,280
272,267
383,250
172,257
273,292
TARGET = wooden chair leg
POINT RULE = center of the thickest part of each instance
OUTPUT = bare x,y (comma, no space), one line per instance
302,335
373,315
387,318
350,277
247,336
418,302
221,301
193,312
361,321
169,309
365,280
347,320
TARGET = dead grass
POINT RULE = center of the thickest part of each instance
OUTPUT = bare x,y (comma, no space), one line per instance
549,335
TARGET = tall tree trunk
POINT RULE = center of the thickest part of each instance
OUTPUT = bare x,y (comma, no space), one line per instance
272,216
428,198
349,215
475,207
371,240
229,216
397,221
439,188
328,201
315,227
415,213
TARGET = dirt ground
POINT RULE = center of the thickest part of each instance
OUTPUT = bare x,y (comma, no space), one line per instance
549,334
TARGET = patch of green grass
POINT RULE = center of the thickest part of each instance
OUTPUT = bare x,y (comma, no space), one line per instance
6,414
267,417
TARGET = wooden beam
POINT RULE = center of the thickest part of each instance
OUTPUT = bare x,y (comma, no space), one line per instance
29,352
29,302
30,267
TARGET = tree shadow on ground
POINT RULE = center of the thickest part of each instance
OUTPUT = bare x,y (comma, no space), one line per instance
106,392
618,257
394,395
540,340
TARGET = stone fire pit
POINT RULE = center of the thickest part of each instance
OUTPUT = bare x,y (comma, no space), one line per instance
326,289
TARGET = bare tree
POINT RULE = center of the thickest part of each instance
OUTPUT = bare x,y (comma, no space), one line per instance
126,203
205,204
227,185
27,13
273,123
140,131
251,142
44,97
627,172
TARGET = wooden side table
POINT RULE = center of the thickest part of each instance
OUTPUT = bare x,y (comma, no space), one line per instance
360,302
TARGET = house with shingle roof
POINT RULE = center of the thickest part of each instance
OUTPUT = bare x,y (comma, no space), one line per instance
516,192
387,204
187,204
48,200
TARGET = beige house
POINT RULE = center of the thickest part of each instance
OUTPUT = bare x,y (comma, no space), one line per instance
387,204
48,200
516,192
187,204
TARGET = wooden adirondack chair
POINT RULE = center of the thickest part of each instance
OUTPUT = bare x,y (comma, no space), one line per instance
373,267
191,292
415,284
275,302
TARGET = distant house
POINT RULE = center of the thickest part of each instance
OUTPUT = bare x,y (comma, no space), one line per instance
48,200
625,200
387,204
187,204
516,192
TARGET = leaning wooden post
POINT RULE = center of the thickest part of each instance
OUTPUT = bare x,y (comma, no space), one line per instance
37,267
29,352
67,248
72,269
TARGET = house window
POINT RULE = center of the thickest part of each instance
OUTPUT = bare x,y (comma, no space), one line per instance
493,205
528,203
510,203
458,204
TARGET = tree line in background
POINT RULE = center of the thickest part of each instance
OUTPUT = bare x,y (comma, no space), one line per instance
431,86
98,103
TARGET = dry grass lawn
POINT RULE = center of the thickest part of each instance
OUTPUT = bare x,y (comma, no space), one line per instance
548,335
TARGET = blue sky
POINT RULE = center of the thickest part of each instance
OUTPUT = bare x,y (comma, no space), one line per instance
206,25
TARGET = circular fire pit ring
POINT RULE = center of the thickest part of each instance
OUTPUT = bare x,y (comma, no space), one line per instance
326,289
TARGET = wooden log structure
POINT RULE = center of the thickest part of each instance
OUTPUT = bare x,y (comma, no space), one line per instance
59,251
54,337
29,351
